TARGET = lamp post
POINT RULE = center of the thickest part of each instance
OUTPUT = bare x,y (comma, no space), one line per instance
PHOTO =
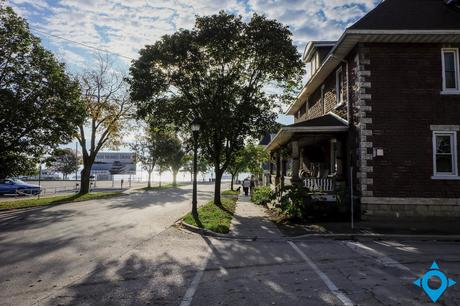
195,130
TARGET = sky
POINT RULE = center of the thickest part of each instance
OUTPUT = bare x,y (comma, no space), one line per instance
123,27
73,29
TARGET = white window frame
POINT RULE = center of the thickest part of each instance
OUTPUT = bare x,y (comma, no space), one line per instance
455,90
339,99
453,144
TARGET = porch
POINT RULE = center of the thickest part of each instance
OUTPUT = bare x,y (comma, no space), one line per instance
311,154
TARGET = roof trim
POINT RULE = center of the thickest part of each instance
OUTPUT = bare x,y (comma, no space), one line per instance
286,133
312,45
351,37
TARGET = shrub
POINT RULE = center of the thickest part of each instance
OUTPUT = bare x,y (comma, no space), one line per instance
293,200
262,195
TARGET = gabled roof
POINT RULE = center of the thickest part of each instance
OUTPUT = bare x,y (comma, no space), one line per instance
392,21
266,139
329,123
411,15
313,45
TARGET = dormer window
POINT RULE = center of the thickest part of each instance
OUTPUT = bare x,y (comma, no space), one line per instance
315,63
450,70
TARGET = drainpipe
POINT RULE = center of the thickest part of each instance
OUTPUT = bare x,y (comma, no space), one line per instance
351,140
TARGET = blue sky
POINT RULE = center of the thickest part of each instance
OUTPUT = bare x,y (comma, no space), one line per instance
123,27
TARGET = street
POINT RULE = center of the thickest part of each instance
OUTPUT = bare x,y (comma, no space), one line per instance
124,251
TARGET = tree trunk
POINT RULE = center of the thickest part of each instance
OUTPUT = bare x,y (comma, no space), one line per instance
231,183
217,199
174,183
159,183
84,178
149,185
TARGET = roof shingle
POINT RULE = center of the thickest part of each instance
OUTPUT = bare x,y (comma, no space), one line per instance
411,15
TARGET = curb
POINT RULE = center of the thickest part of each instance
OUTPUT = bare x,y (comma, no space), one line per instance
204,232
378,237
191,229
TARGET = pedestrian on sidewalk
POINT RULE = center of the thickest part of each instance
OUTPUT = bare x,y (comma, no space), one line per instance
252,184
246,186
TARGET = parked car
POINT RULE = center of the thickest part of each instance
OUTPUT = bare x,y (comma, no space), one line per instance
15,186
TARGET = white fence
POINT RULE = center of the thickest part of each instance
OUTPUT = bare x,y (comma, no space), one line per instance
319,184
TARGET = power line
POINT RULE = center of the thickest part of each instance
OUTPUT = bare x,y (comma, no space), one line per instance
83,44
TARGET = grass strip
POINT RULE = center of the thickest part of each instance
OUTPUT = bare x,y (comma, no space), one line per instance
230,192
7,205
214,218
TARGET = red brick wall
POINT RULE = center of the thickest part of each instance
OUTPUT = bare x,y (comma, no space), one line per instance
406,83
315,106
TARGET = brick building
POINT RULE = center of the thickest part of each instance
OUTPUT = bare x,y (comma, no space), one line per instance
379,117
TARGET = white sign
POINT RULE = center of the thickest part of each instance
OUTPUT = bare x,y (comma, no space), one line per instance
115,163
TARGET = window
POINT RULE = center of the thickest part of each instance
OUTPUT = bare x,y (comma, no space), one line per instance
340,90
314,63
303,109
450,70
445,153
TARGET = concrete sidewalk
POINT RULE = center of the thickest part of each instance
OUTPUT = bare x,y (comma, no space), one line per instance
250,220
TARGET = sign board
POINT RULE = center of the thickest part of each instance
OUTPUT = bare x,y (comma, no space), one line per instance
115,163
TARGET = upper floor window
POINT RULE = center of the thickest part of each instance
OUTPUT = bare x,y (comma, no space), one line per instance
314,63
450,70
444,153
339,86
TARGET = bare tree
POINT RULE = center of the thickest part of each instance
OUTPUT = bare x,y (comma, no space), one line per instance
107,106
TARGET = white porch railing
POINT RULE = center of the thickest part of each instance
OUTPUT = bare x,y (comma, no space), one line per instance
319,184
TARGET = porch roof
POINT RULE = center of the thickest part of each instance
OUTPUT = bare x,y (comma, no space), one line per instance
329,123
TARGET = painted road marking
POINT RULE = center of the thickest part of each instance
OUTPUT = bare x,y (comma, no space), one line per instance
188,297
332,287
376,255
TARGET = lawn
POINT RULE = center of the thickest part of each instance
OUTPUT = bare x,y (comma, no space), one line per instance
213,217
230,192
13,204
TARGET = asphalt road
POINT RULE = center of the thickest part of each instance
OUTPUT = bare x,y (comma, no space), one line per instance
123,252
46,251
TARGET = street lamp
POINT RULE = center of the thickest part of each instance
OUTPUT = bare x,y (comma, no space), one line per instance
195,130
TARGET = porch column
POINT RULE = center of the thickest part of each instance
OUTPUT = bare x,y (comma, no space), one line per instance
270,168
295,161
278,168
278,164
282,168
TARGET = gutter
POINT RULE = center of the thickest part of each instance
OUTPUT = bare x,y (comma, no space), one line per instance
358,33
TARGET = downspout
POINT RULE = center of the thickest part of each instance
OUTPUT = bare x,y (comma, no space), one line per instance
351,141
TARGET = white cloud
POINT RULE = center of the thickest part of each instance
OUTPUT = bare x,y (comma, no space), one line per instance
124,27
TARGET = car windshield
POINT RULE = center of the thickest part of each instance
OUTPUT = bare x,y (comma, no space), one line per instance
17,181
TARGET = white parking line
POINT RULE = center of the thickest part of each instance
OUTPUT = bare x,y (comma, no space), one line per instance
188,297
376,255
332,287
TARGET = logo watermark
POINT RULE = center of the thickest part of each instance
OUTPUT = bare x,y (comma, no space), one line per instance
434,272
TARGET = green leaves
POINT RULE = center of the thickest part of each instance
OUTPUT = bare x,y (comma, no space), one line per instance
39,102
217,71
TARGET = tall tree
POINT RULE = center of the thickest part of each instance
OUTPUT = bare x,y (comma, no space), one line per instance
177,157
107,107
39,102
237,165
64,161
218,71
255,156
151,148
